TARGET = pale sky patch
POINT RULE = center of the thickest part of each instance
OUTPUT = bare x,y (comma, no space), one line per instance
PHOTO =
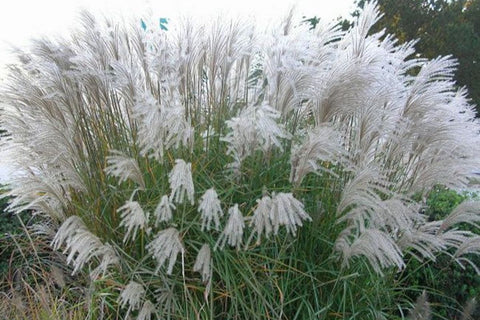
21,20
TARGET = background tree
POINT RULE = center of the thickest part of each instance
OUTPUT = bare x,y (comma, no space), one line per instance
442,27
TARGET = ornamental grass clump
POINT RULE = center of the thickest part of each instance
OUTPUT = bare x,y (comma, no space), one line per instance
215,171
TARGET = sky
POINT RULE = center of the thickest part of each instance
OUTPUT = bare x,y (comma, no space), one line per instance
21,20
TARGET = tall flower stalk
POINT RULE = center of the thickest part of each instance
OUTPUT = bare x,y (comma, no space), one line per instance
319,143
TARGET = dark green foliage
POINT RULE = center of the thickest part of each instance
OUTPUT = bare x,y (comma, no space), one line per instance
11,235
441,201
8,225
448,284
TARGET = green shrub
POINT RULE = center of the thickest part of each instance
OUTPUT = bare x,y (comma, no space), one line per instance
9,228
441,201
450,286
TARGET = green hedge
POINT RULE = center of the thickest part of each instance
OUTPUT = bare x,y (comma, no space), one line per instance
10,227
449,286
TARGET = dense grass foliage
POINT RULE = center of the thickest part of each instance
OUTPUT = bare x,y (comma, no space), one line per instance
214,171
34,281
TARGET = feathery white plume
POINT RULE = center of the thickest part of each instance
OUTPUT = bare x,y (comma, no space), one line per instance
398,214
360,200
261,220
83,246
166,246
271,213
470,246
109,257
210,209
67,230
466,212
132,296
233,232
163,212
180,179
469,308
423,240
375,245
421,309
124,168
148,309
133,218
203,263
255,128
287,211
161,125
323,144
